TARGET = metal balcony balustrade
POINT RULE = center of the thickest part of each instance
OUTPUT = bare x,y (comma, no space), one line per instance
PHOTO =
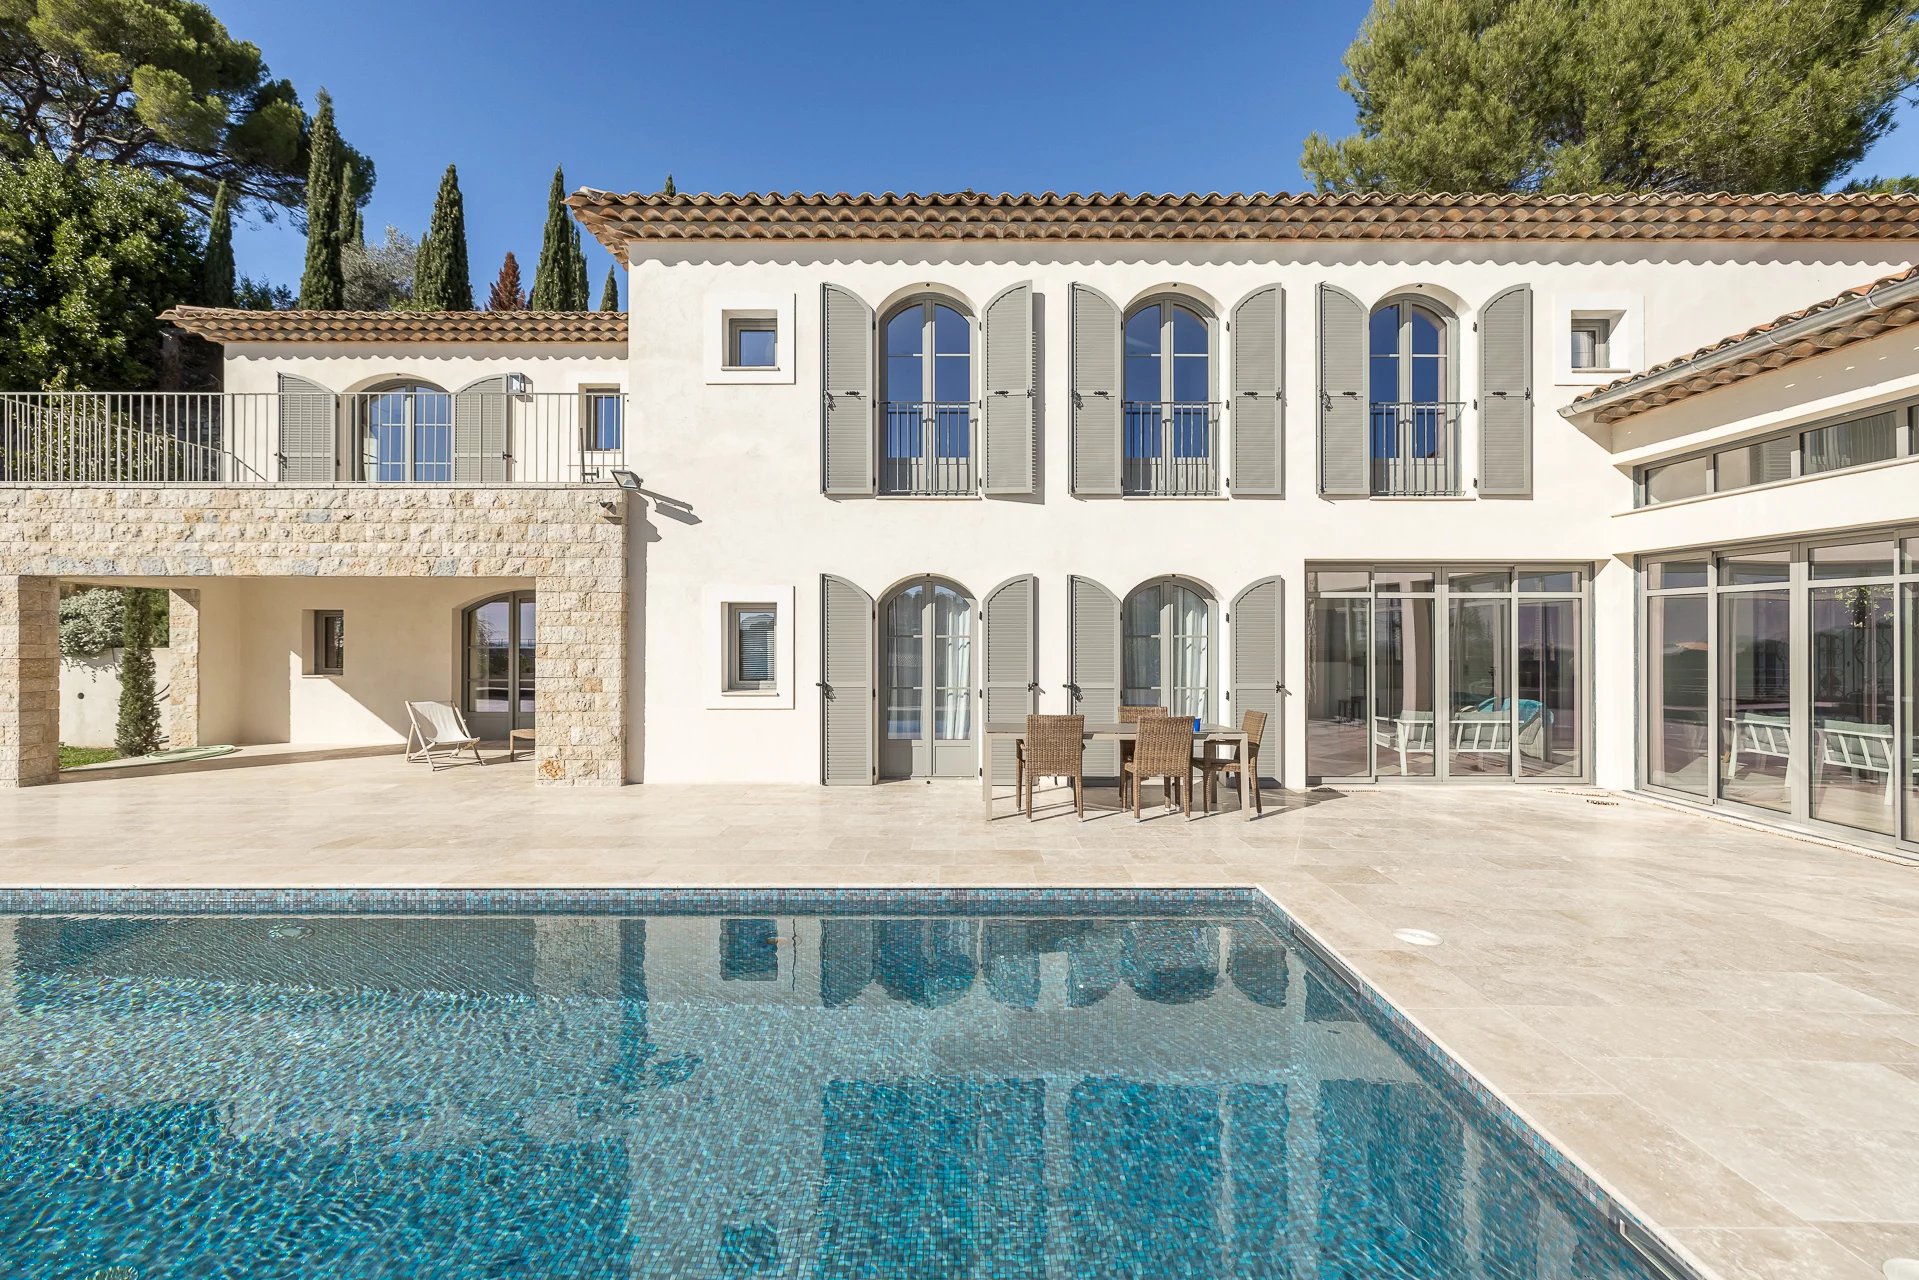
1171,448
1414,447
927,448
269,437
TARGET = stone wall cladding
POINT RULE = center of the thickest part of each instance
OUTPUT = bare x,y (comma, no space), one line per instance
560,537
183,682
29,680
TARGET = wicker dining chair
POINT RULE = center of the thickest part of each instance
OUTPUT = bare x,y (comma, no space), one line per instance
1244,767
1055,746
1164,750
1130,715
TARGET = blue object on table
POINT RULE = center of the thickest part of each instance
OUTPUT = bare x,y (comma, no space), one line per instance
1195,724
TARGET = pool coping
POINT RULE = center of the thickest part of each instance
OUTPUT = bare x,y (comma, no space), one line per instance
1616,1211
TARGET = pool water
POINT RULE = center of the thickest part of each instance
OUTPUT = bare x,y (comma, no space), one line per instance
1032,1093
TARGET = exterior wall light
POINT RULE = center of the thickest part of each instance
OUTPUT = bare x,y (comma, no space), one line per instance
627,480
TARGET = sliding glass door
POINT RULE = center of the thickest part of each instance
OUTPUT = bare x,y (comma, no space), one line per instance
1781,680
1464,675
1551,677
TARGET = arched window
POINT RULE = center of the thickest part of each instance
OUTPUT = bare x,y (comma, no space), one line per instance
498,637
406,433
926,399
928,730
1167,658
1413,384
1168,391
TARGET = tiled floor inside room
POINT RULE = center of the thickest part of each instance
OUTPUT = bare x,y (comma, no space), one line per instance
1720,1023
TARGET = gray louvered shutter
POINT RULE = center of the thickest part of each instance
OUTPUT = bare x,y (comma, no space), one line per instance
1012,662
1094,671
1506,394
309,432
1258,636
1096,392
846,683
479,433
1009,361
1345,464
846,384
1259,358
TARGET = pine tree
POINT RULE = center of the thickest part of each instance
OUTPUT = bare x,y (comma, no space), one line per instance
216,271
441,281
138,731
610,293
320,283
506,293
559,282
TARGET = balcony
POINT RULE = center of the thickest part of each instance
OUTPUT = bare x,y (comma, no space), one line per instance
926,448
1172,449
1415,448
285,437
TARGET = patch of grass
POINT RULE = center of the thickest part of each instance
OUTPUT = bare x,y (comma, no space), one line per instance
74,757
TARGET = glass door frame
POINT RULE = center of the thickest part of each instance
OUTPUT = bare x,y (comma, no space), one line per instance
1802,771
516,718
1442,595
928,755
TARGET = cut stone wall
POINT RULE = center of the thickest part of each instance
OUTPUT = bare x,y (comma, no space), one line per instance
560,538
183,678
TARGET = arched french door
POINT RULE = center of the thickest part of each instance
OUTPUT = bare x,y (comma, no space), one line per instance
1413,388
927,729
1168,388
1167,656
405,431
498,638
926,400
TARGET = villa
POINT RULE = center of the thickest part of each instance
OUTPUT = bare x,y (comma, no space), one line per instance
1458,490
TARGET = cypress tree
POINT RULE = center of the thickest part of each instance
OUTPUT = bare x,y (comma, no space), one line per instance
216,272
321,284
137,732
440,280
579,297
559,281
669,189
610,293
506,294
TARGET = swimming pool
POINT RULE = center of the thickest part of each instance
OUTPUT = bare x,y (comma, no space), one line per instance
475,1086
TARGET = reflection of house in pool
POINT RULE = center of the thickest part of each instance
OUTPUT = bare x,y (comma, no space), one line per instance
705,1096
933,962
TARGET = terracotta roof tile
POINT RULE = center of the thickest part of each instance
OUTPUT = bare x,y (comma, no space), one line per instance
616,219
1662,390
223,324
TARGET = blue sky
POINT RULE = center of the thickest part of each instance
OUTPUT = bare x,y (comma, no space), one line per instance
850,95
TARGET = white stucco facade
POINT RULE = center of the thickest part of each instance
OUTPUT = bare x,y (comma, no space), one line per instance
740,464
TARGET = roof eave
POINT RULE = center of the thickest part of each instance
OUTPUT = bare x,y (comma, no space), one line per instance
1878,298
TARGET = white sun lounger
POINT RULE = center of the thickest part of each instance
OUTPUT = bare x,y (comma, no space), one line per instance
439,733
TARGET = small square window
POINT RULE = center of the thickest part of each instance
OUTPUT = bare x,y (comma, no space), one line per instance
1591,339
750,635
752,342
602,414
329,642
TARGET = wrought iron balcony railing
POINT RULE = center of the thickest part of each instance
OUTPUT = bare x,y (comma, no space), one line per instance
926,448
1171,448
311,438
1414,446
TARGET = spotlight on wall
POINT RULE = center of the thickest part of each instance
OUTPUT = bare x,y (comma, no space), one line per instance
627,480
518,384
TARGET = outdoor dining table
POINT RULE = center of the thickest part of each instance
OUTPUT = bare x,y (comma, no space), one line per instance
1015,731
